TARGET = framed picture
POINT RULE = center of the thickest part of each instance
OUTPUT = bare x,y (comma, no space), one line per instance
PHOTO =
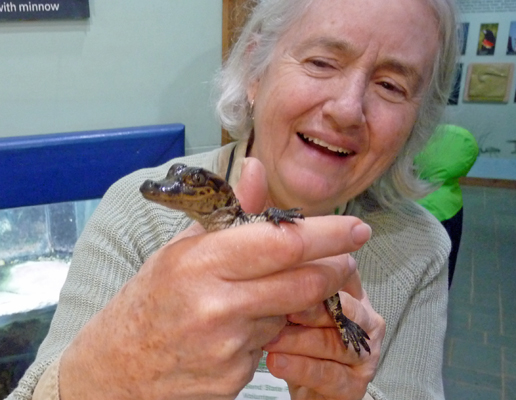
487,39
488,82
463,36
454,95
511,44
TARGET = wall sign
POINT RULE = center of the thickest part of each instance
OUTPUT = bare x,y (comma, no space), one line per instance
23,10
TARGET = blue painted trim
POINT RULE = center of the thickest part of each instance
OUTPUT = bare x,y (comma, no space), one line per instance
73,166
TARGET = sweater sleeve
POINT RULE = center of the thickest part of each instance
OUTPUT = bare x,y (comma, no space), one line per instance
403,270
412,365
48,385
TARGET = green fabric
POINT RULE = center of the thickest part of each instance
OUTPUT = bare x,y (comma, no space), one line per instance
449,154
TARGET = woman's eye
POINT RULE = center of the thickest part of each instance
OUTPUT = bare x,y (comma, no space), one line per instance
321,64
392,91
389,86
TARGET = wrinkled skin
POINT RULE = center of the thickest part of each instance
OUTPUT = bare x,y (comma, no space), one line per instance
192,323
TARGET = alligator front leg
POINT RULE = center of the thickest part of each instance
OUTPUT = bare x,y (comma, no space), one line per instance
272,214
349,330
277,215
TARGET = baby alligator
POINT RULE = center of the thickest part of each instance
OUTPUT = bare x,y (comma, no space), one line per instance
209,199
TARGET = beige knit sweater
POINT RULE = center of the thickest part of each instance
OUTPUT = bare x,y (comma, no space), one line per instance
403,269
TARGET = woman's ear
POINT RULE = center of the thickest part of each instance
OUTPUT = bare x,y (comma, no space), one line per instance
252,86
252,89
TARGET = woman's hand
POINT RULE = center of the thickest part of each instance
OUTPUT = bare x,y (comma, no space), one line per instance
193,321
312,358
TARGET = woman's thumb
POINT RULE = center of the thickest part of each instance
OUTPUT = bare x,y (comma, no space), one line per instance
251,189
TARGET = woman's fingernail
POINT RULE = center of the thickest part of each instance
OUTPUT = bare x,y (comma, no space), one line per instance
361,233
280,361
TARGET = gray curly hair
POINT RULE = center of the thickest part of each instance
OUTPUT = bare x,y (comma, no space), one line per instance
269,20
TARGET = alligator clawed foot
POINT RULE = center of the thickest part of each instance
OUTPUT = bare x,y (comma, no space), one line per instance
276,215
352,332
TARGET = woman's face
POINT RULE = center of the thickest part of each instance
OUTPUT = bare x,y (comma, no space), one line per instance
340,97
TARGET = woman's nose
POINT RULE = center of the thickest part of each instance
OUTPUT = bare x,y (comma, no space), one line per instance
345,107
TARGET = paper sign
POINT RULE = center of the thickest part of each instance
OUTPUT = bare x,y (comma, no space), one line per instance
264,386
22,10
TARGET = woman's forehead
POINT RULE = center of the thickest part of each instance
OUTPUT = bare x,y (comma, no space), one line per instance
343,28
388,17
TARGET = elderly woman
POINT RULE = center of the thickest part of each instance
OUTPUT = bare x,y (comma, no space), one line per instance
330,101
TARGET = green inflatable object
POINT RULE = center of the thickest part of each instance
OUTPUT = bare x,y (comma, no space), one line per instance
449,154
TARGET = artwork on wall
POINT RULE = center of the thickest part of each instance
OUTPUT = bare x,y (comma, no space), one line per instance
463,35
487,39
488,82
454,95
511,44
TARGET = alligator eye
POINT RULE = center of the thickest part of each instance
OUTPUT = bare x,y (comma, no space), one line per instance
198,179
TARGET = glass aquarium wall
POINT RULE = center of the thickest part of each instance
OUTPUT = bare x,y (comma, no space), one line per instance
36,245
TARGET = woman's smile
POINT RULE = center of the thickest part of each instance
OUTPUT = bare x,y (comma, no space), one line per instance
323,147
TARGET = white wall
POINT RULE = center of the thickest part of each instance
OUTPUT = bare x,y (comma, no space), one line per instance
150,62
132,63
493,125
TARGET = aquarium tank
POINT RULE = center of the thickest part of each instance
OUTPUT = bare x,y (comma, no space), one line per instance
36,245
